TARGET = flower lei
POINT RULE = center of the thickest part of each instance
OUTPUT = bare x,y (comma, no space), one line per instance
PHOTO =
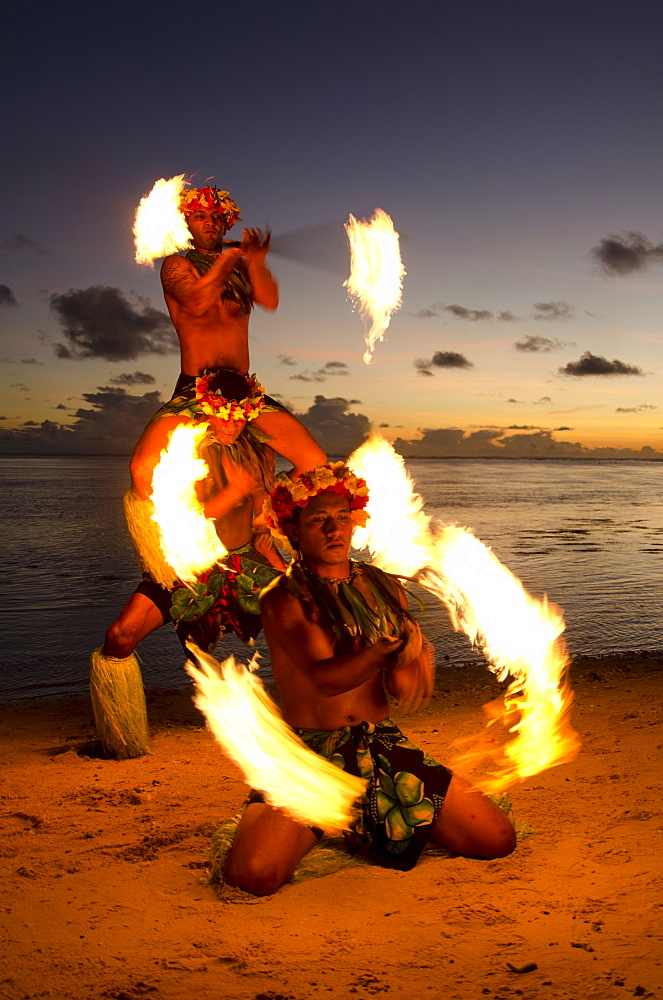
335,477
213,403
208,199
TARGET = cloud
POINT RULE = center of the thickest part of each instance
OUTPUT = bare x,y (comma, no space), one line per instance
336,430
423,367
472,314
7,297
460,312
322,374
99,322
624,254
636,409
442,359
286,359
544,399
451,442
30,361
109,425
427,313
539,344
20,242
594,364
553,311
133,378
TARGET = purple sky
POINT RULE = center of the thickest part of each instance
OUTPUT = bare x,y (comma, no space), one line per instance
507,140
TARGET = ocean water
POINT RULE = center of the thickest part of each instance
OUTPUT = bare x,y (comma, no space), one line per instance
589,534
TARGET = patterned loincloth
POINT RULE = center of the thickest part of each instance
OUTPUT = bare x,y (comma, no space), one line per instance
405,793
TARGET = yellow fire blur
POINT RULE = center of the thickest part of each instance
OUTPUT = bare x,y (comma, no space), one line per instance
520,635
159,226
376,277
189,539
249,726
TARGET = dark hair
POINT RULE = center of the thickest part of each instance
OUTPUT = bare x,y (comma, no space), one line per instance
233,385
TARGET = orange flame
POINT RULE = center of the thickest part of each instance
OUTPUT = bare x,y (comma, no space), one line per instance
376,277
519,635
189,539
249,726
159,226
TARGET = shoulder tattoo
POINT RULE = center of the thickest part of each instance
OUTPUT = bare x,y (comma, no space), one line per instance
175,274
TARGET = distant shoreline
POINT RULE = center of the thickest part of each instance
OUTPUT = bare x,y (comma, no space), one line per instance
475,670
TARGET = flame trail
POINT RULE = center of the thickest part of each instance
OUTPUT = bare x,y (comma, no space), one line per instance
189,539
249,726
376,277
520,635
159,226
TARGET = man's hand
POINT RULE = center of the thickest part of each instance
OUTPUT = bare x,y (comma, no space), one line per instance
389,648
412,677
411,643
255,246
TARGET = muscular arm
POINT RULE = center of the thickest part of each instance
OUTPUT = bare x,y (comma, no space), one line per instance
265,287
411,677
193,292
300,646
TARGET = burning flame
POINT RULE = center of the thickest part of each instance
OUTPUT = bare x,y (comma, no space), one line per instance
159,226
249,726
189,539
376,277
519,635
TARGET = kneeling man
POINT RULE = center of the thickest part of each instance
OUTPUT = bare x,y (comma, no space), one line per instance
342,640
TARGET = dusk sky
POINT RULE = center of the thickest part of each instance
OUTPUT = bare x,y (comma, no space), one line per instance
516,146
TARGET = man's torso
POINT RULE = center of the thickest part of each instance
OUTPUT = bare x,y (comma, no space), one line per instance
217,339
304,707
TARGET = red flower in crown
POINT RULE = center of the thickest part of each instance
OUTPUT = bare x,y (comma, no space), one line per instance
208,199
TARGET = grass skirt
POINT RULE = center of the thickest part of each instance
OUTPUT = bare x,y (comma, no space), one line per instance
118,702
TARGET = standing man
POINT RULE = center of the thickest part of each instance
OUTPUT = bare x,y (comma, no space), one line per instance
210,293
341,640
241,474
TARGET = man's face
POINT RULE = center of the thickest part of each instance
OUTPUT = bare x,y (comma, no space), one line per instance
226,431
324,532
206,227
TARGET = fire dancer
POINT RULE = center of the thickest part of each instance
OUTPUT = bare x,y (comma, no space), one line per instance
210,293
225,598
341,639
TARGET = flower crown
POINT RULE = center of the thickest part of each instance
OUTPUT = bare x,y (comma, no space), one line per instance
213,403
335,477
208,199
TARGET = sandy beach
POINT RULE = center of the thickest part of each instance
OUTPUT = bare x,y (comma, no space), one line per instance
104,888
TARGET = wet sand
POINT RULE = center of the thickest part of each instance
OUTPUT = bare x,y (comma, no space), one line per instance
103,892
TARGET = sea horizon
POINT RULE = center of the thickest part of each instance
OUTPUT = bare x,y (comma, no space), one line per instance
590,543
